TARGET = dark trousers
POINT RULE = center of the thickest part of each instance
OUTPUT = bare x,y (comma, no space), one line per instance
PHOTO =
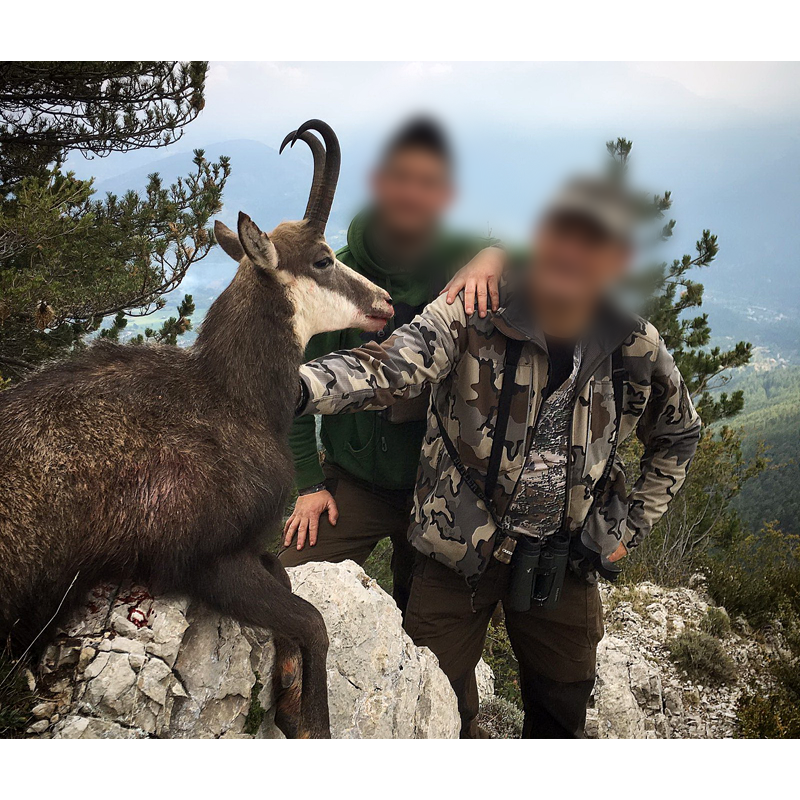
366,515
556,649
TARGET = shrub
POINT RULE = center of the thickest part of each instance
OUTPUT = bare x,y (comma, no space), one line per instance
497,653
758,576
16,699
501,719
716,622
702,657
256,712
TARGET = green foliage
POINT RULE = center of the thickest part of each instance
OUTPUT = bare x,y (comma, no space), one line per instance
68,260
699,522
772,419
501,719
256,712
379,565
758,576
775,715
16,699
48,108
716,623
702,657
772,716
498,654
669,296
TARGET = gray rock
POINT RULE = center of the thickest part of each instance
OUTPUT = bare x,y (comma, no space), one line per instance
129,665
640,692
485,678
380,685
38,727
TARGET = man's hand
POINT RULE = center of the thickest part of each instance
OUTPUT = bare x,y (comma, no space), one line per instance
619,553
304,520
478,278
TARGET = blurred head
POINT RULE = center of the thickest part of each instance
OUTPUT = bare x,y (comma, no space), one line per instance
412,186
583,244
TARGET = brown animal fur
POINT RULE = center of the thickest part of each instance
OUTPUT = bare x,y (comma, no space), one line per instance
166,465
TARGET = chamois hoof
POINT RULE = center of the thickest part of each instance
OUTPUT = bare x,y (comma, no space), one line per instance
288,687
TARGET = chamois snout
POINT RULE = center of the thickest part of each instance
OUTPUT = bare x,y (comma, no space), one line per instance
372,305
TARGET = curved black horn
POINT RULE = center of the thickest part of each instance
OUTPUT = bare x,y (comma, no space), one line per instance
318,151
321,198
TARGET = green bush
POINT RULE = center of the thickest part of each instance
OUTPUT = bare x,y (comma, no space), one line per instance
497,653
702,657
758,576
716,622
256,712
501,719
16,699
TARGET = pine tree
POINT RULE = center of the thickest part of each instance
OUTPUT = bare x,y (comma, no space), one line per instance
68,260
670,296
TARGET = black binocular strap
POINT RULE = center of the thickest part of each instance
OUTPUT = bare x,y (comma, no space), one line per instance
513,350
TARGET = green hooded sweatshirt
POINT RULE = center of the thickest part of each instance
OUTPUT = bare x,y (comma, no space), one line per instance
366,445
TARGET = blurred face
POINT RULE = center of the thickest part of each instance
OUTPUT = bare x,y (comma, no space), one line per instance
412,191
576,262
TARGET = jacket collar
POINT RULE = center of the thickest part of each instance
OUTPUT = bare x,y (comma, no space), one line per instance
611,327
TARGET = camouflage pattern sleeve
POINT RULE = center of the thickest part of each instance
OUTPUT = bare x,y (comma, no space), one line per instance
670,430
372,377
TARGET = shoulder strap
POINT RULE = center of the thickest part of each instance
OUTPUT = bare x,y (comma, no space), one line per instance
617,382
513,350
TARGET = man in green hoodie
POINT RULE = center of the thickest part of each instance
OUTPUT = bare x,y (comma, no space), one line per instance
363,491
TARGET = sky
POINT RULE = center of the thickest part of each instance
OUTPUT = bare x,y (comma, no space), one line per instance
263,100
723,137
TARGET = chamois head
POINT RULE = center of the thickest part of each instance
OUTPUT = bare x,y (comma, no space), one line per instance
326,294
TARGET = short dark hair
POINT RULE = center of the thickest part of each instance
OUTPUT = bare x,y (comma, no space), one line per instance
420,133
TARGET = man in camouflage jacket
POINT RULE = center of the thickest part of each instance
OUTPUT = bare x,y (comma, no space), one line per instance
457,582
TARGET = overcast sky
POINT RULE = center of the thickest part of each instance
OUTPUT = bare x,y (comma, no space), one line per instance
258,99
264,100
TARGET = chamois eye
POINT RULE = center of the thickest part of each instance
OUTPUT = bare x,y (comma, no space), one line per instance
323,263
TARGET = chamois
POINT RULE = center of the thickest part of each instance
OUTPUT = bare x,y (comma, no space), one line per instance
165,465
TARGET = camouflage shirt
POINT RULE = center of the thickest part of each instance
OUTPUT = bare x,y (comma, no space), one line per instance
538,508
462,360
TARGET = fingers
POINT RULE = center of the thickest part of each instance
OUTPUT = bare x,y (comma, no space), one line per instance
482,297
333,511
302,533
619,553
494,292
469,297
456,284
290,529
313,528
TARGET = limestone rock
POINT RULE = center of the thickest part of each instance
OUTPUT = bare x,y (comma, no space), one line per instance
640,693
380,685
485,679
130,665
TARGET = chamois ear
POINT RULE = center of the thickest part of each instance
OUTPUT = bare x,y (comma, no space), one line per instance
256,243
228,241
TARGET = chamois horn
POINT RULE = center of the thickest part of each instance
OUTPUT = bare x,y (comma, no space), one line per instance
322,191
317,150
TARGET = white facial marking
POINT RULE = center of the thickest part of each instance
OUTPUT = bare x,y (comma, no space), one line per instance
318,309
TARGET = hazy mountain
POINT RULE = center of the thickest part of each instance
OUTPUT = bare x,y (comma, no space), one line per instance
744,187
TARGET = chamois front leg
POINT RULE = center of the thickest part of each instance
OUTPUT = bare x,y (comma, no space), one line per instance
252,590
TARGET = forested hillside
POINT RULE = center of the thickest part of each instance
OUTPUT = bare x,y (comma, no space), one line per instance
772,416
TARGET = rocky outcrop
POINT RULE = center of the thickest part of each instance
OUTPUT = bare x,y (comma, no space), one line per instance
641,693
129,665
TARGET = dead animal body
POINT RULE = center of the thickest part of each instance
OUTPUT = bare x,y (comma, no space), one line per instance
166,465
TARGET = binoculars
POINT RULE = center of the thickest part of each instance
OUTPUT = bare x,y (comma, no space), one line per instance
537,572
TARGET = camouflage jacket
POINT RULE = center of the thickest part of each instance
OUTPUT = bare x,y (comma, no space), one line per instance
462,360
